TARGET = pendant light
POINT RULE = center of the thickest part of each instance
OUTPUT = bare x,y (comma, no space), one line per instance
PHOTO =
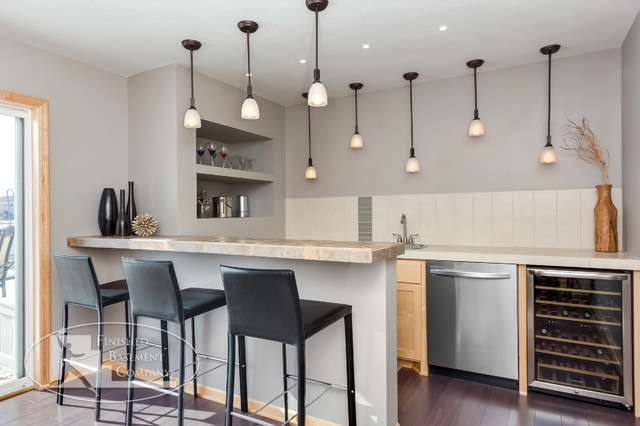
317,92
413,165
476,128
310,172
356,139
191,117
548,154
250,110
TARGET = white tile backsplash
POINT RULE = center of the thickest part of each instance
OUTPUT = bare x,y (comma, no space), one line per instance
445,209
545,214
562,219
523,219
482,219
568,218
502,216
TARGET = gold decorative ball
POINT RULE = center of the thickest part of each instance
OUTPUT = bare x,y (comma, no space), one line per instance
144,225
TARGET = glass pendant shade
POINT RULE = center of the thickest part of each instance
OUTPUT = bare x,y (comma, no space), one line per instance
413,166
548,155
192,119
356,141
310,173
250,110
317,95
476,128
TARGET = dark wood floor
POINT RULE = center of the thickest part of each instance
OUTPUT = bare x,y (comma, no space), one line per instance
422,401
443,401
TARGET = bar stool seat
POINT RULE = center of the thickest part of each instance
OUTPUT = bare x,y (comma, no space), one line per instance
316,316
196,301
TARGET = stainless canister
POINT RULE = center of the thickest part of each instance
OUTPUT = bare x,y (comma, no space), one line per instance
242,206
223,206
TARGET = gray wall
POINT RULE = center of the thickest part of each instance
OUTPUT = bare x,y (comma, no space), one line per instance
88,147
513,106
630,132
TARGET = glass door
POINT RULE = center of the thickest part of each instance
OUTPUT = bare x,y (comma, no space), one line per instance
12,294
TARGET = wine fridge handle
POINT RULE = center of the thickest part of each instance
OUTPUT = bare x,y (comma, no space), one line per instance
557,273
468,274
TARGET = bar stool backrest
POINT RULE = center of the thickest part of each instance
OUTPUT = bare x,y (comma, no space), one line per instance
6,240
153,289
263,303
78,280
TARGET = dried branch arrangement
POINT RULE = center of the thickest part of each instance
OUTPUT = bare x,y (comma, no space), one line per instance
586,145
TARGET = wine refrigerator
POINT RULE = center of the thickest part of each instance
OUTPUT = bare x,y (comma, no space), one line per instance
579,332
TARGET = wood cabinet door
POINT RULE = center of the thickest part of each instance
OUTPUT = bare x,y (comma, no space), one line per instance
409,321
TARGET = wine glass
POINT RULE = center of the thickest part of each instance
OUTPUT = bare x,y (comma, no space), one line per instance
200,151
250,163
213,151
224,150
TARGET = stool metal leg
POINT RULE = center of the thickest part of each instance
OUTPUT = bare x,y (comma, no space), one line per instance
126,324
284,382
99,365
351,386
181,378
242,354
195,357
63,352
131,372
164,342
302,385
231,367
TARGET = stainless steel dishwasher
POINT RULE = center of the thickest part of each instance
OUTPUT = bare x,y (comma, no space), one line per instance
472,317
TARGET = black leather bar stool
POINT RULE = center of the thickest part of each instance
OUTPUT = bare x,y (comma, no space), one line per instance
80,287
265,304
155,293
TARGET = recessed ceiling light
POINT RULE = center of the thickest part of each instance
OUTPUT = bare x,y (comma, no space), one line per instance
303,61
365,46
443,28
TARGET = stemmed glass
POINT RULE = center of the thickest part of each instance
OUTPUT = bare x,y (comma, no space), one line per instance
250,163
213,151
224,150
200,151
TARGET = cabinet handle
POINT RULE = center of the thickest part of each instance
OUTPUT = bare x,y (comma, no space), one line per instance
557,273
469,274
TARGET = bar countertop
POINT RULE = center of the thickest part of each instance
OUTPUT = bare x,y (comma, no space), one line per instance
329,251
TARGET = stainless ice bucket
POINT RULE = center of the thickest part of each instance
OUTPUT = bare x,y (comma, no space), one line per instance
223,206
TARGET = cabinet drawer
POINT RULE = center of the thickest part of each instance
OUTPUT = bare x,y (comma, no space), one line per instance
410,271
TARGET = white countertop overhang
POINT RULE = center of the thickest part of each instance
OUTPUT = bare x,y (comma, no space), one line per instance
576,258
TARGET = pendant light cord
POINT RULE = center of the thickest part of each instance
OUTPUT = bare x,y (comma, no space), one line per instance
249,89
356,110
549,108
475,92
193,101
411,110
316,71
309,122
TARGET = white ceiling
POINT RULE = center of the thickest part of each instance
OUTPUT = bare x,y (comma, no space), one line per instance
132,36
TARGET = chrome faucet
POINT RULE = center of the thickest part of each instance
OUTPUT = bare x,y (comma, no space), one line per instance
403,238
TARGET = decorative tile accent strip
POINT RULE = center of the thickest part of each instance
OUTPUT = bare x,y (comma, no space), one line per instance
365,219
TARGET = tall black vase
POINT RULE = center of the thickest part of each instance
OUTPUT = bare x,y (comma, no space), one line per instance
108,212
123,224
131,204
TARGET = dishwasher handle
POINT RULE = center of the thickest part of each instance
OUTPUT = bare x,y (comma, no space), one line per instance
557,273
471,274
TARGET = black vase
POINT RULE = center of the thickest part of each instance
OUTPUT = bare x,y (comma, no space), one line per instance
108,212
131,204
123,224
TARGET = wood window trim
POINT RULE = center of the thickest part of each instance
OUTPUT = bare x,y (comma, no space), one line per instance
41,244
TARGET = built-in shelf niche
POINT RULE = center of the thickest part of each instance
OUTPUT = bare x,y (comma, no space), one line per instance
257,184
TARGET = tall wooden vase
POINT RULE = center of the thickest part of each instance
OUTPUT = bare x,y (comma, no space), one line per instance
606,218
